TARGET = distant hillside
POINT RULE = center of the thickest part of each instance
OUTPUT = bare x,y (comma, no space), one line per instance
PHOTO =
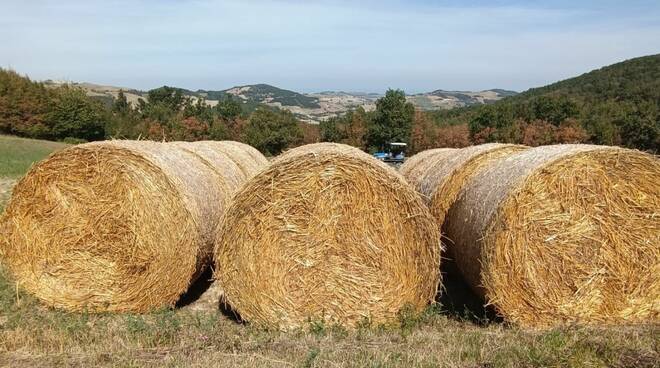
266,94
632,80
441,99
309,107
616,105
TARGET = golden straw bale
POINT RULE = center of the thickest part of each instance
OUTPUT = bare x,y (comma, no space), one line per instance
327,233
414,163
246,157
227,173
224,160
562,234
444,175
251,151
111,226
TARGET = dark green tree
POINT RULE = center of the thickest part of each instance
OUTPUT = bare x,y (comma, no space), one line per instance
120,104
330,130
74,115
229,108
272,131
392,120
170,97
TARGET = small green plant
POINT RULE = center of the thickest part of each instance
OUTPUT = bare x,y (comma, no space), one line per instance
312,354
317,328
408,320
135,325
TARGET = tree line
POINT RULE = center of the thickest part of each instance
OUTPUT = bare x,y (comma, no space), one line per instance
617,105
34,110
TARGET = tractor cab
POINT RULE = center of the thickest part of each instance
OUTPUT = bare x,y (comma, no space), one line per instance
395,153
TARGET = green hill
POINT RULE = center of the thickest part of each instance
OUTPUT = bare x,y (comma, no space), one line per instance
615,105
261,94
632,80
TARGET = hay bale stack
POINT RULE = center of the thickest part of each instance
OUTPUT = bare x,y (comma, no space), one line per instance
413,164
112,226
562,234
246,157
327,233
223,158
442,176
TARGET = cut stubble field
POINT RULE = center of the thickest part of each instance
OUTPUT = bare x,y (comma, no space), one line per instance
34,335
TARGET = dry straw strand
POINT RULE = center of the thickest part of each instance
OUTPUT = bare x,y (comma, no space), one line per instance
563,234
251,151
327,233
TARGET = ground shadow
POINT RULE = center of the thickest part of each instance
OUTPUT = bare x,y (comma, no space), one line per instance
213,302
197,289
459,301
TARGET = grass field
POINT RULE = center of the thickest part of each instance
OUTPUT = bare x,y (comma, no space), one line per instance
33,335
16,157
17,154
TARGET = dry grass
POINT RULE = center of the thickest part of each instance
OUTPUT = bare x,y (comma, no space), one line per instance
34,336
563,234
327,233
18,154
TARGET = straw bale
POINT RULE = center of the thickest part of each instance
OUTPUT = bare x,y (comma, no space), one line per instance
411,167
563,234
111,226
249,161
251,151
445,175
327,233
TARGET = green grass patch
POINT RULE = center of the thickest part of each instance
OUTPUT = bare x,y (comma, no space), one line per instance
18,154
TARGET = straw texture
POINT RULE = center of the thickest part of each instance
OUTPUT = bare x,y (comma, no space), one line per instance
256,156
413,168
112,226
327,233
248,159
445,175
232,163
563,234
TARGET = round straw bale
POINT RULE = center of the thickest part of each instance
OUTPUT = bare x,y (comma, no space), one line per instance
411,164
242,154
327,233
443,176
251,151
228,174
562,234
111,226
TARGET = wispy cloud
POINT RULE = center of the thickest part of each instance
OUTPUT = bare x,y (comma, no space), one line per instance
304,45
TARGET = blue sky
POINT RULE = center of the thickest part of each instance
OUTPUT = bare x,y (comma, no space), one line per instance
311,46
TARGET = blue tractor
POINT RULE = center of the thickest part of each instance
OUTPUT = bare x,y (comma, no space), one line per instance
395,153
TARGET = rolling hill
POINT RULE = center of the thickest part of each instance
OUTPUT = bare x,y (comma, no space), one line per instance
309,107
631,80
